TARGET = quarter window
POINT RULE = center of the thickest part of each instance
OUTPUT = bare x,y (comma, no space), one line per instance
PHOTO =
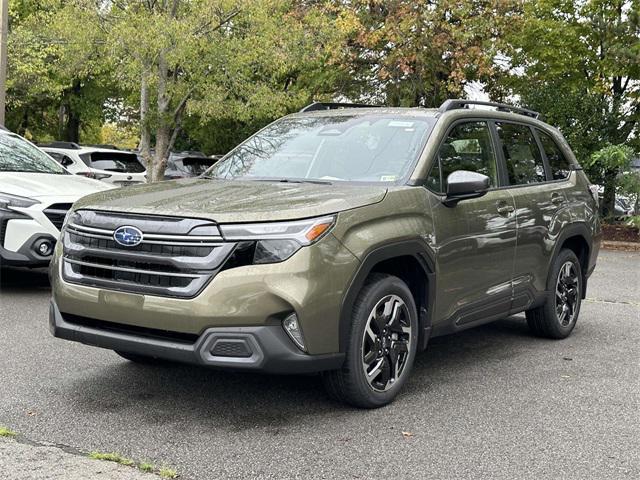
521,153
560,166
467,147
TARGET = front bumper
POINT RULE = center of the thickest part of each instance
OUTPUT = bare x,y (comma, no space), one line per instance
258,348
19,233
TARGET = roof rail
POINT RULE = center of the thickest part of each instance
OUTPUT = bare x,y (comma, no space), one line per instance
57,144
106,146
501,107
317,106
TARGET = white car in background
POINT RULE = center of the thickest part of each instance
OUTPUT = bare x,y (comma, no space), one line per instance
35,195
107,164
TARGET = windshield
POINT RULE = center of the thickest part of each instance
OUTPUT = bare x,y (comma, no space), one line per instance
193,166
18,155
358,148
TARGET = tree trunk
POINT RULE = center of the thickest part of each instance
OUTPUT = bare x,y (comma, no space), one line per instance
72,128
145,129
68,117
609,195
163,133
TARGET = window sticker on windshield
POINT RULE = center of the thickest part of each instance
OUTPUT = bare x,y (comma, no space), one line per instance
401,124
388,178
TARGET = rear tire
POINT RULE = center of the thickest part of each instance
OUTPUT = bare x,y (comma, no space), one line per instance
558,316
381,347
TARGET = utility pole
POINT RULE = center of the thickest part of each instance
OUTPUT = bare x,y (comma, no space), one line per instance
4,29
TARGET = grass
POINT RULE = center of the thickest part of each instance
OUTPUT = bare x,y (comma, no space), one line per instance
112,457
165,472
5,432
146,467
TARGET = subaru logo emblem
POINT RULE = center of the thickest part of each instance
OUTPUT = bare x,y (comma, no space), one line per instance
127,236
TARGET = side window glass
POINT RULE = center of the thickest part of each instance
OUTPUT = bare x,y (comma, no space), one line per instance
66,161
468,147
560,166
56,156
521,153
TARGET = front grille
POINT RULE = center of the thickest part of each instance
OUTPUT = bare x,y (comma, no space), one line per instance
170,261
56,213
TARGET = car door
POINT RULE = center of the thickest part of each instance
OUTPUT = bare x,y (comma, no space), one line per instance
475,241
541,209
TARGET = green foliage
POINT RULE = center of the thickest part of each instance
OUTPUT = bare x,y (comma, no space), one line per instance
412,53
215,71
607,164
579,64
634,221
59,76
611,158
5,432
112,457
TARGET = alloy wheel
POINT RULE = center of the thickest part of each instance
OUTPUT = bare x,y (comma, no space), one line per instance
567,295
386,343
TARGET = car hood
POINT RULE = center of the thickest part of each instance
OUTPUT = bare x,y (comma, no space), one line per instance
37,185
226,201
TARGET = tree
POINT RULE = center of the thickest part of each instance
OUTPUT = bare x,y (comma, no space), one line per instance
419,53
579,64
610,162
59,78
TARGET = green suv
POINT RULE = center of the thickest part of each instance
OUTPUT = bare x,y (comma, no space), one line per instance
338,240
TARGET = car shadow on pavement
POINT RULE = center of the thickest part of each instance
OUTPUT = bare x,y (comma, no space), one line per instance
19,280
201,397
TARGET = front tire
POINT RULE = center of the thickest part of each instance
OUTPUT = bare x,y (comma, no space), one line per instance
382,345
558,316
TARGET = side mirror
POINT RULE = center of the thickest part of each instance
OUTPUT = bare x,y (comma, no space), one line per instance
462,185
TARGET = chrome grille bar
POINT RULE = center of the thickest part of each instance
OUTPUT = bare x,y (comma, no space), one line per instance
164,263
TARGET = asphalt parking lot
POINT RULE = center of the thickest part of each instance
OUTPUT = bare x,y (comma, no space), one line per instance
493,402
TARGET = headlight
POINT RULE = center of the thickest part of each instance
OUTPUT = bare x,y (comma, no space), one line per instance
7,201
277,241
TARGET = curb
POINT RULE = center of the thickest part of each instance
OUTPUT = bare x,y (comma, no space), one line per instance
624,246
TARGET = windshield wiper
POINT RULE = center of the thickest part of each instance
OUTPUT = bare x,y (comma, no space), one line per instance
290,180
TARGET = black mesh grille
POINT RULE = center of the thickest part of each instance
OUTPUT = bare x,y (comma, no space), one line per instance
131,277
231,348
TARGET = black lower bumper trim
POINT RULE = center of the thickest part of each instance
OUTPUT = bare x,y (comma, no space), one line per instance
26,256
264,348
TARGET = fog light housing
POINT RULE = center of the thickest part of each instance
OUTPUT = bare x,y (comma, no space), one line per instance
44,247
292,327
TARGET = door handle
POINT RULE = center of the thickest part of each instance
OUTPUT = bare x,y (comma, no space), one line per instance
504,208
557,199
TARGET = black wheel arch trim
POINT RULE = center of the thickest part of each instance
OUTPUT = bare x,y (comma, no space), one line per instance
414,248
577,229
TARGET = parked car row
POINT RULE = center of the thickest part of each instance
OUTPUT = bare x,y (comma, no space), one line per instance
35,194
39,185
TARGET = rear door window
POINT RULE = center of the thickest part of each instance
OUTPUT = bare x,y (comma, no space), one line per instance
113,161
521,154
467,147
559,164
